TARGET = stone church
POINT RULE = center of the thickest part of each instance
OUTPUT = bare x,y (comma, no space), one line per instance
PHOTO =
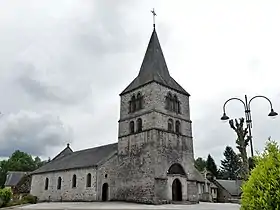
153,159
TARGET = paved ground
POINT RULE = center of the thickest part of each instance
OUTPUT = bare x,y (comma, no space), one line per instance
120,205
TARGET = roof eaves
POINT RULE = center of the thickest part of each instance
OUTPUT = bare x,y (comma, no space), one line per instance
66,169
144,84
104,160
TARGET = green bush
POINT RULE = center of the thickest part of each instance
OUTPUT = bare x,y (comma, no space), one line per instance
15,203
30,199
262,190
5,196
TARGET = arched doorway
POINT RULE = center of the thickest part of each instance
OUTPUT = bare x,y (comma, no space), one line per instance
105,192
176,190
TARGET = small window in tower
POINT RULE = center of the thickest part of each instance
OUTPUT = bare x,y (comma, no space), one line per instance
74,181
179,107
168,101
172,107
131,127
46,183
170,125
139,125
130,107
178,127
175,104
139,103
133,104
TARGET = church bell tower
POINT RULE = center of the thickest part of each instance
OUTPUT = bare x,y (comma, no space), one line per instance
155,132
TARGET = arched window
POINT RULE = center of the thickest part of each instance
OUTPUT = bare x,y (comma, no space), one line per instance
168,101
59,183
74,181
176,168
139,101
131,127
139,125
133,103
46,183
172,103
88,180
170,125
136,103
178,127
175,104
130,106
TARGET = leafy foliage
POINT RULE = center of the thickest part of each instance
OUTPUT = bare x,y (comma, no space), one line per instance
211,166
30,199
19,161
200,164
5,196
231,164
262,190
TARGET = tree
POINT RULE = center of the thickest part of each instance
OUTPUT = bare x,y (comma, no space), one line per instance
231,164
242,142
262,189
39,163
18,161
211,166
200,164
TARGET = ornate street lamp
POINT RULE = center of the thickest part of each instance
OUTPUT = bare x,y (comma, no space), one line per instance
248,117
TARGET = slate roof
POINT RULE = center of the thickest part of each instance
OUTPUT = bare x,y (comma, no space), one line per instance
154,68
64,152
194,174
13,178
232,186
79,159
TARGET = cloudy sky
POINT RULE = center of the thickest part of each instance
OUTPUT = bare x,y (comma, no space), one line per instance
63,64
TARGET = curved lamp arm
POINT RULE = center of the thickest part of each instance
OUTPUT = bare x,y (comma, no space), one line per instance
225,117
272,112
260,97
224,108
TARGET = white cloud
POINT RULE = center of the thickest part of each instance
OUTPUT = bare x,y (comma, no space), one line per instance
72,58
36,134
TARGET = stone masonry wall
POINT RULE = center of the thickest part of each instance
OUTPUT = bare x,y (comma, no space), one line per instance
193,188
66,193
154,99
106,173
135,174
145,157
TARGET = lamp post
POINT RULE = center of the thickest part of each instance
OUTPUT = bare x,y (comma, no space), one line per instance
248,116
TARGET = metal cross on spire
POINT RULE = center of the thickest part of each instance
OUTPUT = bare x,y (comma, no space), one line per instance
154,15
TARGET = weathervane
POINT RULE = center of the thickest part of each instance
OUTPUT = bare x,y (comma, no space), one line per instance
154,15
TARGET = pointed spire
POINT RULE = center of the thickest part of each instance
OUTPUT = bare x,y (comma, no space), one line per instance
154,64
154,68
